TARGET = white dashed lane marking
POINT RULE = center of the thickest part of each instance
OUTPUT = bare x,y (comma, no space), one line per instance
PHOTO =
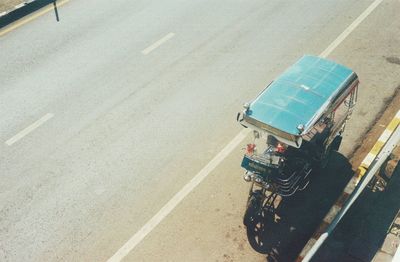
29,129
158,43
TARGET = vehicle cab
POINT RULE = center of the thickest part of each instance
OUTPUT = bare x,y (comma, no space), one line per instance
296,121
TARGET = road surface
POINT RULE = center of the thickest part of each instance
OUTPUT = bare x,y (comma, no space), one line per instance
110,112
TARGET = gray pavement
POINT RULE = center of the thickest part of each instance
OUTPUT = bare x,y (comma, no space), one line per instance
129,130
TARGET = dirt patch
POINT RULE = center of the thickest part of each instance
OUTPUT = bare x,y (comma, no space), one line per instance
393,60
377,127
6,5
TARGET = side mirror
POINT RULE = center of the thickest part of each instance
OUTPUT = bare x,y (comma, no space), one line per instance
240,120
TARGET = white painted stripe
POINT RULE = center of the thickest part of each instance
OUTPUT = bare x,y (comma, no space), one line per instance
332,213
167,208
368,159
178,197
19,6
29,129
158,43
398,114
315,247
348,190
350,28
351,185
385,135
308,246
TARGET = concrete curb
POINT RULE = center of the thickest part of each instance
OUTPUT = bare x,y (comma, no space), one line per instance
24,3
378,146
27,11
351,185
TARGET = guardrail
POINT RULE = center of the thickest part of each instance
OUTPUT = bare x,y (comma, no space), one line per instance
367,170
30,10
20,4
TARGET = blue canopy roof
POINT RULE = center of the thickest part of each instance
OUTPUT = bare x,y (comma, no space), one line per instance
299,94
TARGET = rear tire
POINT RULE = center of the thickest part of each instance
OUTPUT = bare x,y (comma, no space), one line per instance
334,146
253,207
258,218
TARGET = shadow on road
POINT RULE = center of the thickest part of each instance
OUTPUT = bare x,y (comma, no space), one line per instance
363,229
26,10
282,231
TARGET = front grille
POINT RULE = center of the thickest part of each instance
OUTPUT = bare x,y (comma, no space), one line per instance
284,181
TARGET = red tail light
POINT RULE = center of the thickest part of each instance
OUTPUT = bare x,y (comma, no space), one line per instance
280,148
250,149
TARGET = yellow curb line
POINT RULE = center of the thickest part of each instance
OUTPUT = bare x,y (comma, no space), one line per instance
378,146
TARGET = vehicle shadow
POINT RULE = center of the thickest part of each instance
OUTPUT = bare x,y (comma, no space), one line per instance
362,231
282,231
26,10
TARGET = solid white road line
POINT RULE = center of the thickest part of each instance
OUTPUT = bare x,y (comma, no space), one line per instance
167,208
178,197
350,28
29,129
158,43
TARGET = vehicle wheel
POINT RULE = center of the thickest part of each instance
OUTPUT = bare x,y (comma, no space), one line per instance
257,227
334,146
253,207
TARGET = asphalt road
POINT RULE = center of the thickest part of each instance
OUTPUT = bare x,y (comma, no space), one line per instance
138,96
